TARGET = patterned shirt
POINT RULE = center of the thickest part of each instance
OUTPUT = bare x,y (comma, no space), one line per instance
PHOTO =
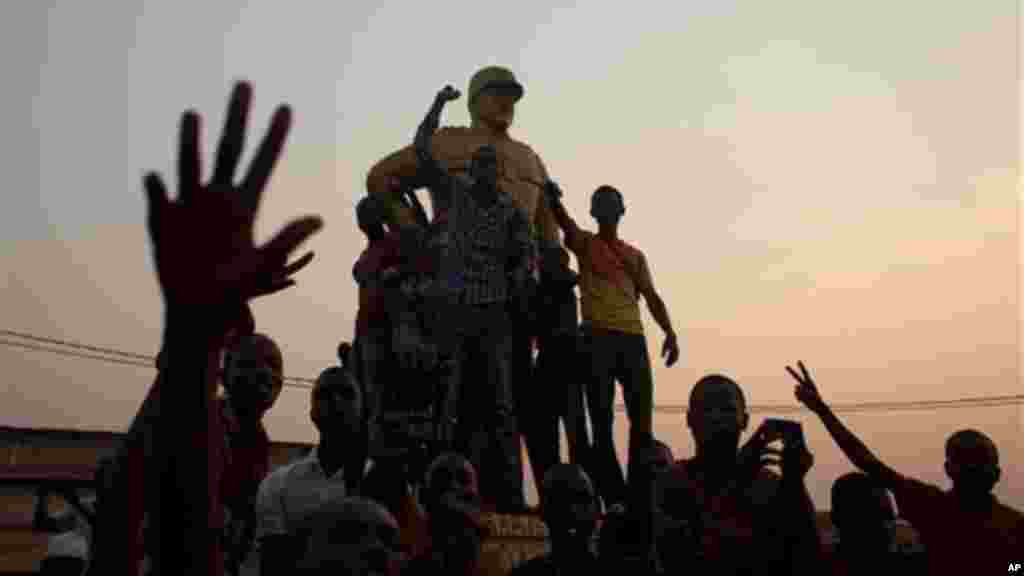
485,244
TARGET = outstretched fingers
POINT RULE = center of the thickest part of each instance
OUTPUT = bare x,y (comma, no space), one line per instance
266,157
298,264
794,374
232,140
189,164
156,203
806,374
290,238
278,280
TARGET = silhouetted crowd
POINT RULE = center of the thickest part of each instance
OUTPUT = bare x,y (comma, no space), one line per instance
468,342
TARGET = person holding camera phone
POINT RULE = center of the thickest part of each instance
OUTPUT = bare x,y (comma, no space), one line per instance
727,512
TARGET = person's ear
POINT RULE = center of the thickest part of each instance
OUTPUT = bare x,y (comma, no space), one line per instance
744,421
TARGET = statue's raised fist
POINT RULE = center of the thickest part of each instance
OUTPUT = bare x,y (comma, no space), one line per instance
448,93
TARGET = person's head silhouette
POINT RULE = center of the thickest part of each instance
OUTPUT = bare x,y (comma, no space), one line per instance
717,416
569,506
972,463
607,205
861,511
370,216
336,404
253,375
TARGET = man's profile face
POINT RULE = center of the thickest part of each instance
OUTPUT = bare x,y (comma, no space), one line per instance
254,376
496,106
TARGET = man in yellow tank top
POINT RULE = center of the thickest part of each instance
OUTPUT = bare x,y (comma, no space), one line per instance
613,277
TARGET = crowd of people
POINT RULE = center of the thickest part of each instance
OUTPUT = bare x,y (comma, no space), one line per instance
469,315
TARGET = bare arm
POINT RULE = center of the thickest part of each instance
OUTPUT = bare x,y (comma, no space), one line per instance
402,165
430,169
208,268
553,195
858,453
645,285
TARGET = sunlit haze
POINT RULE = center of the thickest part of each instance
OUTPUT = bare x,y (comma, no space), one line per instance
832,182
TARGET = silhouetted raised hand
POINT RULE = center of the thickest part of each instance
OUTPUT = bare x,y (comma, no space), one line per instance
806,390
203,240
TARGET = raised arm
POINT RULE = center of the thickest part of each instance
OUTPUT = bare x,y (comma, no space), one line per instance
553,195
430,170
208,268
807,393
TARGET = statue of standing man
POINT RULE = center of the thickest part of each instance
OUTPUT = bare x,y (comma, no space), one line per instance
492,96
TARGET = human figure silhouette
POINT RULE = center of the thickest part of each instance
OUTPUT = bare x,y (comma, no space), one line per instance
208,269
613,277
734,515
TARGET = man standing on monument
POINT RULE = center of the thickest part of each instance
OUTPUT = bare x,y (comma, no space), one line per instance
482,274
492,96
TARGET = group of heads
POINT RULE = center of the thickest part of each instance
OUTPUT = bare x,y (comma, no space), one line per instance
357,535
253,379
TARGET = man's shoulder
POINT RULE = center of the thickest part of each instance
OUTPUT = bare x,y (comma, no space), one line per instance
908,486
631,250
279,476
1008,517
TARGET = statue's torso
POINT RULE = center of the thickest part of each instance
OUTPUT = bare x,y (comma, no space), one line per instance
521,174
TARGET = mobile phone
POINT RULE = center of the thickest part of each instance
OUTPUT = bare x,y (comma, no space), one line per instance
791,430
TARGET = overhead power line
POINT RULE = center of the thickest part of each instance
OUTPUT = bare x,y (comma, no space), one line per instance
98,353
45,344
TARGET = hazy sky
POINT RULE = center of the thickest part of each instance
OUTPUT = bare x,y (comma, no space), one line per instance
827,181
